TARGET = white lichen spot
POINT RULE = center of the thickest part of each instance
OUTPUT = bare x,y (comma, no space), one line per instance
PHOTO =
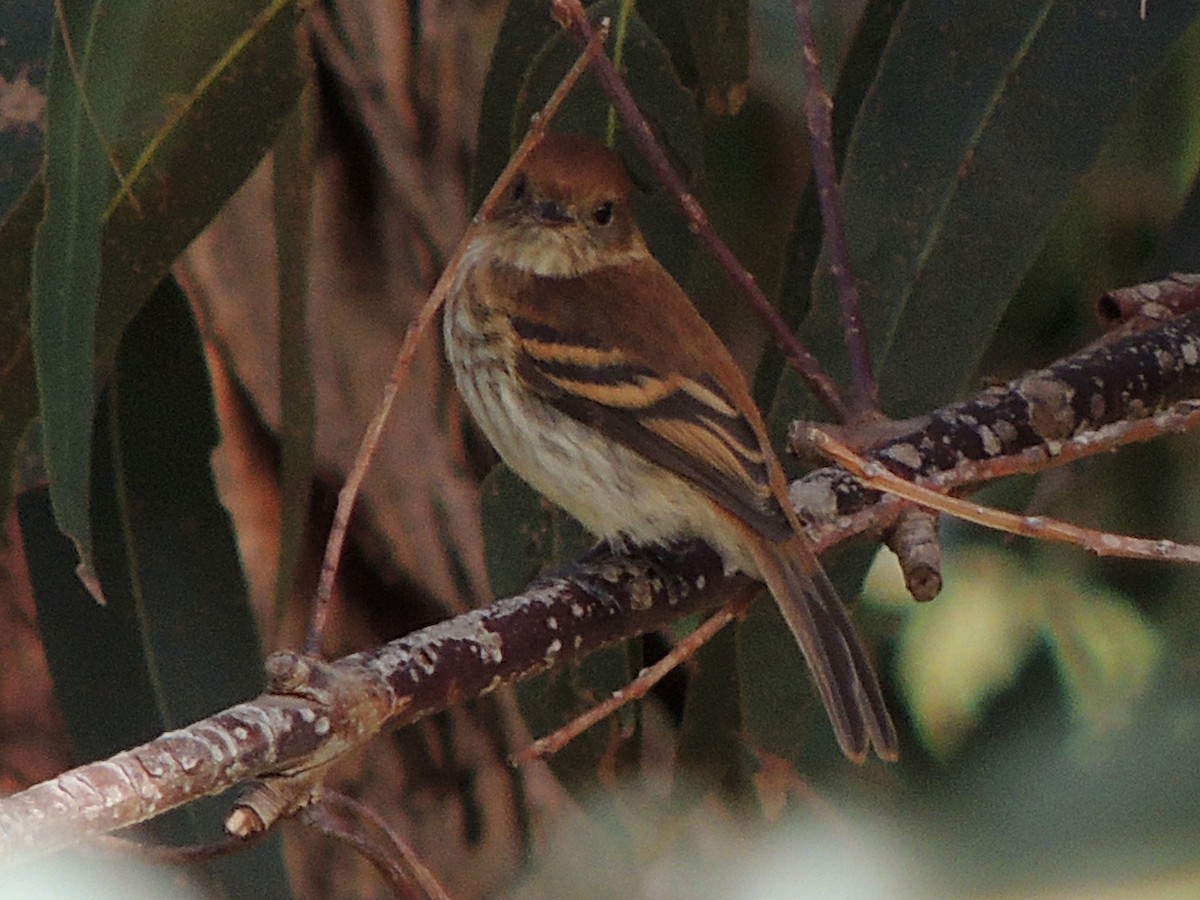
552,650
1006,431
578,641
991,443
426,659
577,610
905,454
816,499
1110,541
487,643
701,581
1190,355
552,623
307,716
1049,401
321,727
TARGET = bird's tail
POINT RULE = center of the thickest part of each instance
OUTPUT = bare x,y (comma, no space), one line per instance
840,665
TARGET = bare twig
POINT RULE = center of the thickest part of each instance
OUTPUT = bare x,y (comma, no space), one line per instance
875,475
864,391
321,817
1112,393
393,857
416,330
683,650
1155,300
571,16
410,860
316,713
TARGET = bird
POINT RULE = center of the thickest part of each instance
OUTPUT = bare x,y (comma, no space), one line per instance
599,383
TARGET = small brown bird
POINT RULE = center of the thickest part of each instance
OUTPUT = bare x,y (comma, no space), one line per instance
599,383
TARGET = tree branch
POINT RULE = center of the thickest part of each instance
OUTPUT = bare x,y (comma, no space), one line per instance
315,713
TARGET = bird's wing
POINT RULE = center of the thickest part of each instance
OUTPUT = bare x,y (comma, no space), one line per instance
689,425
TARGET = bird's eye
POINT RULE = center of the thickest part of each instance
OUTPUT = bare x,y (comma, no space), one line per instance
519,187
603,214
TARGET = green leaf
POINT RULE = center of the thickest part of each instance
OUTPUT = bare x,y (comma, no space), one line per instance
978,124
293,174
1106,651
709,746
185,112
956,655
66,267
526,28
176,640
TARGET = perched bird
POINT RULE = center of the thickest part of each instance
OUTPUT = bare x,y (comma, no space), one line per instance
598,382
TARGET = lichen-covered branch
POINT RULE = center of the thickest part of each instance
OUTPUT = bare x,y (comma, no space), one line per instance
1108,394
317,712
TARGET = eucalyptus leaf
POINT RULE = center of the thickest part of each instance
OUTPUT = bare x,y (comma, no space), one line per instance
183,113
293,176
176,640
978,124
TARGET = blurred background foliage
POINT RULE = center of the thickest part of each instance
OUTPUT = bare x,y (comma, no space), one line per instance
1003,168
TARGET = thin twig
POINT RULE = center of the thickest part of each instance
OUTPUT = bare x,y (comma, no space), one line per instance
683,650
414,867
415,331
321,817
570,14
875,475
864,391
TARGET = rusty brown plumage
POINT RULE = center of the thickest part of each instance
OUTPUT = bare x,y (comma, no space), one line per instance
599,383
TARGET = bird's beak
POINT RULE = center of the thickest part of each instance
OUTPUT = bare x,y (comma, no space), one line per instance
550,213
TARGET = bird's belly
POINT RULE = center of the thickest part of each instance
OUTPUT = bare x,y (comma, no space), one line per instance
614,492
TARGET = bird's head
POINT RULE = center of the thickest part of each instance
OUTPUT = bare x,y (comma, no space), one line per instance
567,211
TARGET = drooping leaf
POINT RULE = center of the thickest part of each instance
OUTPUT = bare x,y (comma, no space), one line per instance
66,266
176,640
184,112
293,174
